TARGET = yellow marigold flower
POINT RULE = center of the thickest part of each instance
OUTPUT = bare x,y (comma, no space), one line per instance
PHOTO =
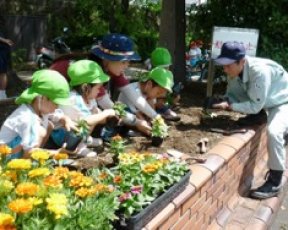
117,179
39,172
83,192
11,175
6,219
19,164
35,201
61,172
5,150
27,188
57,203
6,187
81,181
150,168
60,156
52,181
102,175
40,155
20,206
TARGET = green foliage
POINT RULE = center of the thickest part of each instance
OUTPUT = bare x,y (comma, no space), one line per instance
269,17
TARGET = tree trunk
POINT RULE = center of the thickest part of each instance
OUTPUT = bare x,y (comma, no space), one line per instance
172,34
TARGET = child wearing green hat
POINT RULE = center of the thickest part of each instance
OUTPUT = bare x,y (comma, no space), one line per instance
156,85
86,78
160,57
28,126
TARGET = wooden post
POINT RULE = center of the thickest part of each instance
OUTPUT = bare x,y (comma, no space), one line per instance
211,72
172,35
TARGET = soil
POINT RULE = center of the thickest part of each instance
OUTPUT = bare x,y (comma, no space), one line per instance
183,135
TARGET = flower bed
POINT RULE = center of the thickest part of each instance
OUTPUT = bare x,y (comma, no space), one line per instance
34,195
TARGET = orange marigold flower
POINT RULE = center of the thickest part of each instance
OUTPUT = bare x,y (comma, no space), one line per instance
61,172
81,181
99,188
5,150
60,156
150,168
117,138
7,227
102,175
11,175
20,206
27,188
83,192
52,181
117,179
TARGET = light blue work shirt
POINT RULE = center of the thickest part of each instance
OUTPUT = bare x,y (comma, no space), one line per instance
264,85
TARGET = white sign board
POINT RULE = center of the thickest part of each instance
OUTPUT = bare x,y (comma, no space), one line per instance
249,37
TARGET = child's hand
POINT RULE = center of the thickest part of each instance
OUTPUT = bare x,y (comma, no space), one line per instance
68,124
143,126
110,112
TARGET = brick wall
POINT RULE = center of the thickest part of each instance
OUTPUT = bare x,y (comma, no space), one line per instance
216,185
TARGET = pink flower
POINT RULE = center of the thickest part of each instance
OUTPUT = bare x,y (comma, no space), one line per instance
136,189
124,197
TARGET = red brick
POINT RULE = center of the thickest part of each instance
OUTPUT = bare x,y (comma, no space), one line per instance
160,217
183,197
223,150
214,163
234,226
190,202
182,221
171,221
233,142
199,175
256,224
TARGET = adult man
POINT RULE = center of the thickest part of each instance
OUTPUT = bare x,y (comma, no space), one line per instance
255,84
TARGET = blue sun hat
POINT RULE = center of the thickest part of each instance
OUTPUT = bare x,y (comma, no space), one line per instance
116,47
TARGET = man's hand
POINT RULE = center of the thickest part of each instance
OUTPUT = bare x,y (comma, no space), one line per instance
222,105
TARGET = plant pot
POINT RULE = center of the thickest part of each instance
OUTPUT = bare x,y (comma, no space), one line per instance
157,141
72,140
139,220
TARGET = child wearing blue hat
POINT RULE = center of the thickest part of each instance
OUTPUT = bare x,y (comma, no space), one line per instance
114,54
27,127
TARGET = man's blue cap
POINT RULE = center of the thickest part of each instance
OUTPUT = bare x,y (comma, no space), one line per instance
230,53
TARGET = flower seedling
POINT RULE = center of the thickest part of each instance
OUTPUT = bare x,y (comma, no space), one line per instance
159,127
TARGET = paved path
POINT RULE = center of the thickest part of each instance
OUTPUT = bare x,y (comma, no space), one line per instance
281,219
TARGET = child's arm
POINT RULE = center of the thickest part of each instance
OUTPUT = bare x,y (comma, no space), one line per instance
139,101
100,118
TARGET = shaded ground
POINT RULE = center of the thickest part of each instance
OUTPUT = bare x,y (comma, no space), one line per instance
183,135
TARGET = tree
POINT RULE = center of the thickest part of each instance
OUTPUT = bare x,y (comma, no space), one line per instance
172,34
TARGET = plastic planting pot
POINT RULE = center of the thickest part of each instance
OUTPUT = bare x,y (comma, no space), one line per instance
72,140
157,141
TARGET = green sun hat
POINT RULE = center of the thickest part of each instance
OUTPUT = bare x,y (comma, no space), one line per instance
86,71
161,57
162,77
48,83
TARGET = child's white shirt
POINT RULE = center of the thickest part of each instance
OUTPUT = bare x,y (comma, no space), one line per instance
78,108
23,122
